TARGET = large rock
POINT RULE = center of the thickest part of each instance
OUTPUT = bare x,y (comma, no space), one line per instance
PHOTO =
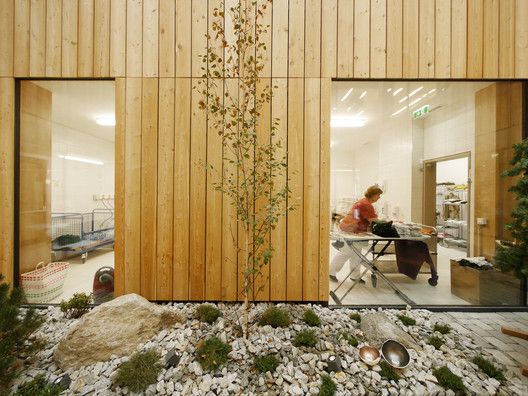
377,328
114,328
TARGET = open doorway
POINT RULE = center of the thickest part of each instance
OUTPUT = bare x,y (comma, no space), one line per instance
447,202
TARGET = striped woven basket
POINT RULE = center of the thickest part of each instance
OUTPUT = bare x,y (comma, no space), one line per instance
44,283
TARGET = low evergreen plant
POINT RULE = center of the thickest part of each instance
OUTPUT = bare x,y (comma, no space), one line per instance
355,316
435,341
388,372
266,363
353,341
442,329
305,338
207,313
311,318
38,386
274,317
488,368
140,371
406,320
17,328
76,306
212,353
328,386
448,380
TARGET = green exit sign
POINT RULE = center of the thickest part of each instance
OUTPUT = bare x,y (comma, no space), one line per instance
421,112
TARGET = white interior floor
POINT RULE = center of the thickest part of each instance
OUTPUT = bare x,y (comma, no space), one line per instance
419,290
80,276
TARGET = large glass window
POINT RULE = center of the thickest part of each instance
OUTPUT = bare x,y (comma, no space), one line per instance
436,150
66,188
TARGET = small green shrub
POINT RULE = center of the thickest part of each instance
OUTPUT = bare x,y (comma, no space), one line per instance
207,313
489,368
328,387
353,341
356,317
407,321
140,371
38,386
17,328
388,372
274,317
442,329
76,306
435,341
305,338
311,318
448,380
212,353
266,363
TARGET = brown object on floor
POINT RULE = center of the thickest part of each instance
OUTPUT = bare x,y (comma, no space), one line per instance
515,332
484,287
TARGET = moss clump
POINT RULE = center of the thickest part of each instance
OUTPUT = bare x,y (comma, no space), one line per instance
448,380
139,371
274,317
353,341
442,329
388,372
435,341
407,321
38,386
266,363
207,313
328,387
355,316
489,368
311,318
305,338
212,353
76,306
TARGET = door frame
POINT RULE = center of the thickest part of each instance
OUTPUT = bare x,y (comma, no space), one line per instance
426,193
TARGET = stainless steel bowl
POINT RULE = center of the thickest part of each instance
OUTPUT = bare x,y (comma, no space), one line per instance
395,354
369,355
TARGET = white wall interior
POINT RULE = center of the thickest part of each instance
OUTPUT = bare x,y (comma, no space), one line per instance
386,146
82,164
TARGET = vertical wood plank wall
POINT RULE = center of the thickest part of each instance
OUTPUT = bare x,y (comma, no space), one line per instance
174,233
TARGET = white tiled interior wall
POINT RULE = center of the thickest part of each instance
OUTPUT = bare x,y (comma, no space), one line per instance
75,183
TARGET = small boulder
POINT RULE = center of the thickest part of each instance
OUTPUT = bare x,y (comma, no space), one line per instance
113,328
378,328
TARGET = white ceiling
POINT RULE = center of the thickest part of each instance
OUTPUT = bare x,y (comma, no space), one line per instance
378,101
75,104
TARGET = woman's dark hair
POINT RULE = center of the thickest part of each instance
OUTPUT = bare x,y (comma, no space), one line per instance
372,191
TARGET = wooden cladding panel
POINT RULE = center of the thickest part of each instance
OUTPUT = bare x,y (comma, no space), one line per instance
306,38
178,238
7,168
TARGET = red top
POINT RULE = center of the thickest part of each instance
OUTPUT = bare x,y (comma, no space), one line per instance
356,220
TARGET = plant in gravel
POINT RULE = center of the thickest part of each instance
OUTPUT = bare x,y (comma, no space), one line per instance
76,306
17,328
355,316
212,353
274,317
353,341
252,173
328,387
141,370
406,320
448,380
435,341
207,313
442,329
38,386
305,338
266,363
488,368
388,372
311,318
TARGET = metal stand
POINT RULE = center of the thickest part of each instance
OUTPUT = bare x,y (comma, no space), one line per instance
371,267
